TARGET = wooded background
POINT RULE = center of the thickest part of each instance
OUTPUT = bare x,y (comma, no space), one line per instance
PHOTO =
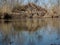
43,3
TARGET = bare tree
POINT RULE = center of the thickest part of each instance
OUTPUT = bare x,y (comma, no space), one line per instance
58,3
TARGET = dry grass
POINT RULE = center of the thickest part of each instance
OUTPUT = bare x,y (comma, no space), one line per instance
53,12
5,9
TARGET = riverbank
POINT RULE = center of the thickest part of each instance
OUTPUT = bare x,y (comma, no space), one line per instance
30,10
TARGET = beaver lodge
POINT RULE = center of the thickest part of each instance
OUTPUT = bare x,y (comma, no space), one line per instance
29,11
26,11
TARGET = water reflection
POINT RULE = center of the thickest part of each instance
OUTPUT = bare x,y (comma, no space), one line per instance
30,32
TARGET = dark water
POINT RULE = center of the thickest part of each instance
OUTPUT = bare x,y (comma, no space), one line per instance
30,32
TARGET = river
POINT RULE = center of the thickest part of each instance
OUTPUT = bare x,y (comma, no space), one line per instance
44,31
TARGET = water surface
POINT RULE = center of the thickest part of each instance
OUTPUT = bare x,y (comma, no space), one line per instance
30,32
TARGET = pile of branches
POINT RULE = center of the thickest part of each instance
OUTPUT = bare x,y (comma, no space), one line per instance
30,11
